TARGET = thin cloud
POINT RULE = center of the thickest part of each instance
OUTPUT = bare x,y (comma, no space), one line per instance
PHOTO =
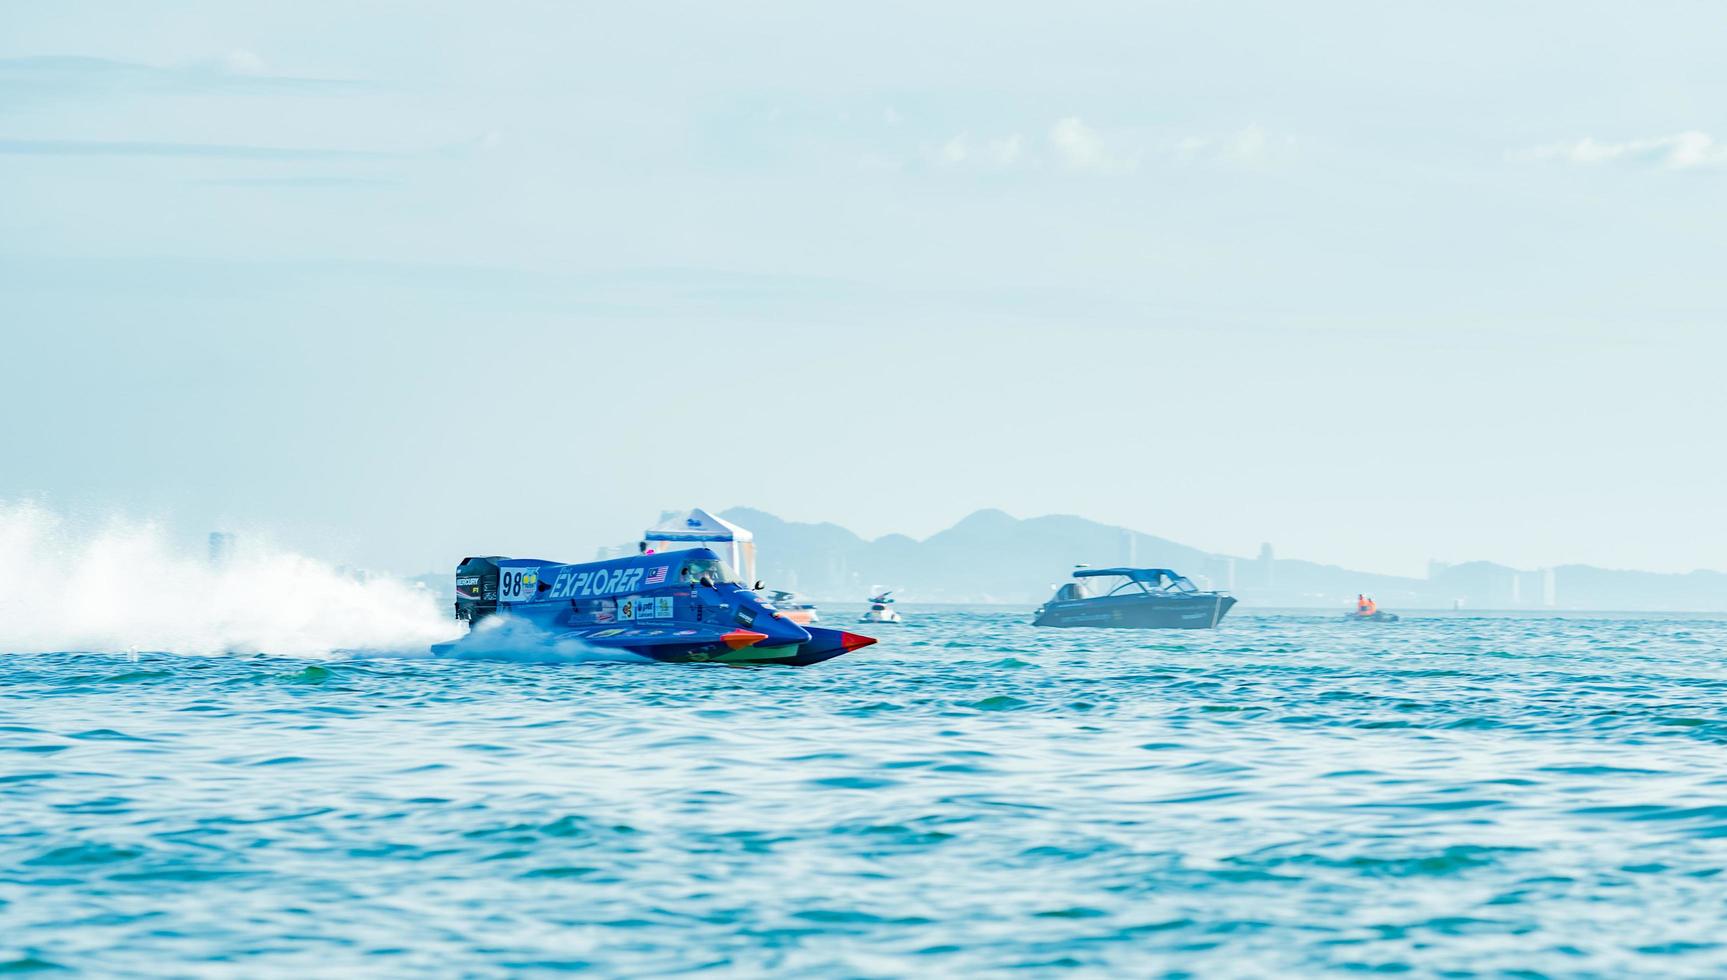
1079,147
236,151
235,71
1005,151
1689,150
954,151
1073,146
140,148
241,61
1251,146
303,183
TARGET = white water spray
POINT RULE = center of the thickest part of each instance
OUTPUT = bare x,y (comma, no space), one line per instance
509,639
127,587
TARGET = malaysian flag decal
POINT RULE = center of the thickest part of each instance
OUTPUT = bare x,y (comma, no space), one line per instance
656,575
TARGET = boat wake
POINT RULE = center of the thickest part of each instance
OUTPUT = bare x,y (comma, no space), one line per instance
124,587
506,638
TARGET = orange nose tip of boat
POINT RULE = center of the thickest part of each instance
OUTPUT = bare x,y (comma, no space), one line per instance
738,639
854,641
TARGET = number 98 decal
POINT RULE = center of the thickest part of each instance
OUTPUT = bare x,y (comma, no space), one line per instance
518,584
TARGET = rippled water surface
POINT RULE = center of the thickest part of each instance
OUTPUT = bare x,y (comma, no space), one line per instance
973,796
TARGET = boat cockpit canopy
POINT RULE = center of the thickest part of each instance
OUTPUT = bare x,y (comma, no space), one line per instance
713,570
1097,583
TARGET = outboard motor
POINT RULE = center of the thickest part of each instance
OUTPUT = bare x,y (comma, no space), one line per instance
476,589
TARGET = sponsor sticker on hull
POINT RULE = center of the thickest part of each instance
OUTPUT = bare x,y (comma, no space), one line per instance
638,607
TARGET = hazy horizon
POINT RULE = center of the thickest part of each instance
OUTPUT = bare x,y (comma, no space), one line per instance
1375,285
26,521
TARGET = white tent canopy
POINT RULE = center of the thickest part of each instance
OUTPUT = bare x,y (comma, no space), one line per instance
700,529
698,525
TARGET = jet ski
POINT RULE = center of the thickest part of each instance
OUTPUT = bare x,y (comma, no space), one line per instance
1377,616
881,610
678,607
1133,598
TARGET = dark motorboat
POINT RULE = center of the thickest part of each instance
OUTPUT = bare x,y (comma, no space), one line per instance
1134,599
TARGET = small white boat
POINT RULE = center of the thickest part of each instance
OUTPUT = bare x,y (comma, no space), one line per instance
794,609
881,610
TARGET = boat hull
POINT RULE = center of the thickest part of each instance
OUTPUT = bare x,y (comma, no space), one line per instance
1138,612
823,645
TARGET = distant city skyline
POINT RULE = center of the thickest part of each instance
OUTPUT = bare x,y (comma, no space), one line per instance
1382,285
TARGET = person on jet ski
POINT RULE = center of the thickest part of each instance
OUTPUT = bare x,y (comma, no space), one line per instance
1365,606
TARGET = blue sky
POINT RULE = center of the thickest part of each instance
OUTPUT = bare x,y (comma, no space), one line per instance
1375,282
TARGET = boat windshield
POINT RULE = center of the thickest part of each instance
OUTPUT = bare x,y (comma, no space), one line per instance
712,569
1116,585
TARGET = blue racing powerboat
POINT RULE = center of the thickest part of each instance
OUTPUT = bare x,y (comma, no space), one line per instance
1133,598
678,607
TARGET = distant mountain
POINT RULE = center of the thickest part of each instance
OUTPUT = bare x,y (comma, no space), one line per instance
992,556
987,557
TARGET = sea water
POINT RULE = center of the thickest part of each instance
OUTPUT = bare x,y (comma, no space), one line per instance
1288,794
